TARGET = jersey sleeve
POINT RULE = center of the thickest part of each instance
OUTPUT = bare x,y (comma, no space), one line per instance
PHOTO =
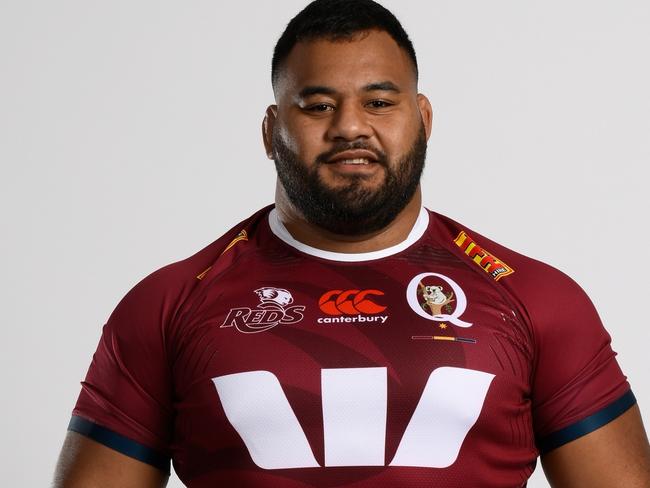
126,398
577,384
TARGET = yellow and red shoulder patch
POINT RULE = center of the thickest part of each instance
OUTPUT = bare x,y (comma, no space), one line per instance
489,262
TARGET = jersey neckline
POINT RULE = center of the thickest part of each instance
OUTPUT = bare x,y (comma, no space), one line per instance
281,232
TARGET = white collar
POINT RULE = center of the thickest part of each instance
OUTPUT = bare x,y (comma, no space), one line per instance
281,232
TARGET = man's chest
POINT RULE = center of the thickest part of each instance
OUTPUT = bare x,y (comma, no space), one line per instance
406,365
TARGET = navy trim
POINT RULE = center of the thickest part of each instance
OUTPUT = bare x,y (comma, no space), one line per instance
588,424
119,443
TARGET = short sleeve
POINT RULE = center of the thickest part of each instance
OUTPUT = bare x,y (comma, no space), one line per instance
578,385
126,398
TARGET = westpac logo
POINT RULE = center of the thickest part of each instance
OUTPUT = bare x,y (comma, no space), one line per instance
351,306
275,308
355,415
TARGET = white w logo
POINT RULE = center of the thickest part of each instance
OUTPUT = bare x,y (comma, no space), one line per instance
354,418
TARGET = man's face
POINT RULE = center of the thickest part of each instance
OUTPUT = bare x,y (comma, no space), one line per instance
349,133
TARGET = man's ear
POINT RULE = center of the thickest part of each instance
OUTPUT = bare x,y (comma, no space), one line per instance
426,112
267,129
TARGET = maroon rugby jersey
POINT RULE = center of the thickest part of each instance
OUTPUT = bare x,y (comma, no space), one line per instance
447,360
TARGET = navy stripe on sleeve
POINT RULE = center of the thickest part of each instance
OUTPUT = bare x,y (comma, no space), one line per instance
119,443
587,425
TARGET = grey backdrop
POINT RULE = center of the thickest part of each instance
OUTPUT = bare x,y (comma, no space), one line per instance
130,138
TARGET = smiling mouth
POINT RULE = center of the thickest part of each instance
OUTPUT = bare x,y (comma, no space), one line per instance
354,162
354,157
357,167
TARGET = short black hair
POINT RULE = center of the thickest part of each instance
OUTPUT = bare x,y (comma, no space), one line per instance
338,20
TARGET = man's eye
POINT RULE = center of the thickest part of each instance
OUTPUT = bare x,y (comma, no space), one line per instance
379,104
320,107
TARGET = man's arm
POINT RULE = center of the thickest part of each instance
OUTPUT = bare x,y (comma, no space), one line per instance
615,455
84,463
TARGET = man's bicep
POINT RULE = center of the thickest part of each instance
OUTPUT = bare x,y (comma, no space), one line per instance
89,464
616,454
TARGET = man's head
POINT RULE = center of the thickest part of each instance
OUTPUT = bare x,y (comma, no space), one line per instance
348,134
338,20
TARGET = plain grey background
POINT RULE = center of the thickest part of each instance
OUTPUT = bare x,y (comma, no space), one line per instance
130,138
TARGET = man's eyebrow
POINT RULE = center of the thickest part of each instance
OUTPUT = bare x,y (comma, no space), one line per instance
382,86
326,90
316,90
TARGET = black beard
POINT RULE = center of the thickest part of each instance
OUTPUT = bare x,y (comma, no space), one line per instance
351,209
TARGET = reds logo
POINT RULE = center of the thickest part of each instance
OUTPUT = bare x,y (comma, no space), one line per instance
273,309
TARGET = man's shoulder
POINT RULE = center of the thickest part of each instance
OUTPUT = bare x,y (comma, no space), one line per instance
550,301
503,265
182,276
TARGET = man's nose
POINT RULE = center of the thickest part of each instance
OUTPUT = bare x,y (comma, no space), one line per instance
350,122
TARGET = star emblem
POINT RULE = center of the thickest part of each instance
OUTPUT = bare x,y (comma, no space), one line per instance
443,326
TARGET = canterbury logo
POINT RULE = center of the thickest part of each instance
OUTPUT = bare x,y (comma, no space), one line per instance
350,302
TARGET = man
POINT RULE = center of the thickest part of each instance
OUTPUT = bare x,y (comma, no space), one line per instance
347,336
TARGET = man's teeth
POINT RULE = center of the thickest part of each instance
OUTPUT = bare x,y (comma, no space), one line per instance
354,161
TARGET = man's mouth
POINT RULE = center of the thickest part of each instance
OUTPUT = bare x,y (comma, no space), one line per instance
356,161
356,157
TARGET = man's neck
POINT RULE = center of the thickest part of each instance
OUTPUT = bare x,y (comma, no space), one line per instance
394,233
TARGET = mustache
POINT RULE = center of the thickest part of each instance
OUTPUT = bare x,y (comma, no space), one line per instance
342,146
